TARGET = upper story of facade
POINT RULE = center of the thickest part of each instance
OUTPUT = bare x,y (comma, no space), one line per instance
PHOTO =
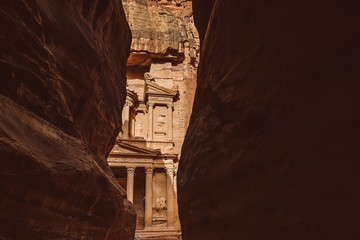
149,114
161,74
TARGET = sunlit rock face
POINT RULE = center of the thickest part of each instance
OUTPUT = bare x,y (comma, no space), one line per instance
62,88
166,44
273,147
154,28
162,30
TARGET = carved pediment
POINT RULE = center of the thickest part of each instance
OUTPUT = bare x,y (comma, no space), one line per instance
155,89
131,150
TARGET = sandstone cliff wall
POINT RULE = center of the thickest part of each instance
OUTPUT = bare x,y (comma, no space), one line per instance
272,151
62,88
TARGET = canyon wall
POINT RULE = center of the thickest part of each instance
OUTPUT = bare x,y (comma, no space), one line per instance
62,89
273,147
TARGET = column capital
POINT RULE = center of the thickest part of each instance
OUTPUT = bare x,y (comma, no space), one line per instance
149,170
150,104
130,169
169,170
170,105
129,103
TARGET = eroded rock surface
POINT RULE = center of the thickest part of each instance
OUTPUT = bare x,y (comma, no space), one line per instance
272,151
62,88
162,30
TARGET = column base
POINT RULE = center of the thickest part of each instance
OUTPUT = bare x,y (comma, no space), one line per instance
172,228
158,234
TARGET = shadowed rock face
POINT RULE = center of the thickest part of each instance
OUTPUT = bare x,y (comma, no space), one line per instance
273,147
62,88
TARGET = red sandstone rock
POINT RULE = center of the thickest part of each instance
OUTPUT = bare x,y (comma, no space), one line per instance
273,147
62,88
161,30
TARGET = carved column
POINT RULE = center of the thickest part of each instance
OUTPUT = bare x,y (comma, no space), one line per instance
148,197
151,119
133,125
130,183
126,120
170,122
176,199
170,197
175,180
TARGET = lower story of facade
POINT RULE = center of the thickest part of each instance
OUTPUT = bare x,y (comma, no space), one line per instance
149,178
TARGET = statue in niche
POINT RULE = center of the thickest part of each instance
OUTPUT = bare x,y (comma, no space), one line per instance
160,204
160,121
139,128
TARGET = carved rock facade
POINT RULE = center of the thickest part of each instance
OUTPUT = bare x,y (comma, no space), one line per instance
166,44
160,89
62,65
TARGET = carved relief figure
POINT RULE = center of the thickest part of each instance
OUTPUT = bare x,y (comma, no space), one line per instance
160,204
139,128
160,121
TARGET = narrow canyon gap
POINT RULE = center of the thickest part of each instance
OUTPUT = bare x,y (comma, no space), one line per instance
273,147
62,89
161,81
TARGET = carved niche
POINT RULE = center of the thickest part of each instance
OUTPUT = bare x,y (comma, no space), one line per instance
160,123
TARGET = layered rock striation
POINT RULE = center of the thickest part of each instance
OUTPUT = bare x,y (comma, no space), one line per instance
273,145
62,89
162,30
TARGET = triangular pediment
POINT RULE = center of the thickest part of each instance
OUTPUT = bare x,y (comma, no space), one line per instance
153,88
125,149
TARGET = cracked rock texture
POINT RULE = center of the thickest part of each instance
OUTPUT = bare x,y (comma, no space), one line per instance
273,147
62,88
164,30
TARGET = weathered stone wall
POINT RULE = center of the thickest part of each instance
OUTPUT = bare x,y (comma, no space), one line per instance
154,28
62,88
273,147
